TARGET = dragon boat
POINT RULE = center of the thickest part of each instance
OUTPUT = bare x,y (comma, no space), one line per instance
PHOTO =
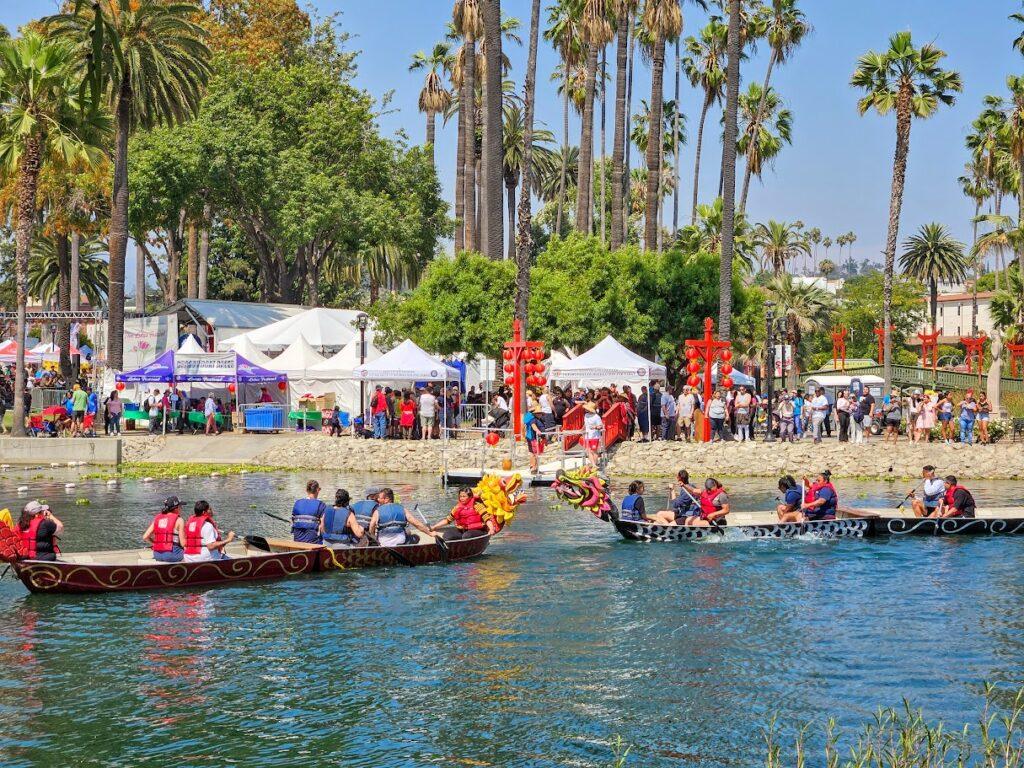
586,490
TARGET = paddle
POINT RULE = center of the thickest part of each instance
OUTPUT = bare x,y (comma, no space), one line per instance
908,496
259,542
442,545
713,524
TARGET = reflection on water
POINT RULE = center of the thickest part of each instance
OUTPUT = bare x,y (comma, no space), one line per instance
536,655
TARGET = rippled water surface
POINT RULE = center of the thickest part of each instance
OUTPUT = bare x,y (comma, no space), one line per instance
539,654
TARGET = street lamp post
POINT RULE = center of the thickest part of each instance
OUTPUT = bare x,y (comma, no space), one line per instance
769,364
362,321
783,336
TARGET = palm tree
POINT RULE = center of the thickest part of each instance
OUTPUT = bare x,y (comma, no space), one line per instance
1006,234
704,68
826,244
434,97
42,118
784,27
827,267
595,33
806,308
780,242
150,57
1007,307
706,235
761,139
988,152
814,237
564,34
1012,137
975,186
457,72
910,81
515,161
524,236
933,256
468,23
45,269
732,97
663,21
625,12
1018,43
491,152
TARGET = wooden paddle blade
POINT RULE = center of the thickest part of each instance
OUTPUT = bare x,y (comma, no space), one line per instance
257,542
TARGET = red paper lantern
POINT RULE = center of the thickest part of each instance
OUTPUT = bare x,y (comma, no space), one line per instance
726,355
231,388
726,369
509,381
538,353
694,380
510,368
727,382
539,368
507,354
693,367
492,438
541,381
282,385
691,353
119,386
531,381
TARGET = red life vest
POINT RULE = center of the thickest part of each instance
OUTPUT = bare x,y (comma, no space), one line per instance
194,534
707,502
950,493
163,531
467,518
28,538
812,492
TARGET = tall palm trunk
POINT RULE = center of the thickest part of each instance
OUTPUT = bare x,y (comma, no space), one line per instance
565,157
604,124
76,271
493,155
28,180
696,163
999,251
469,147
524,237
626,171
510,204
118,241
732,94
899,177
618,234
758,117
63,303
460,177
977,274
584,210
1020,213
431,132
675,144
933,300
204,253
192,269
654,145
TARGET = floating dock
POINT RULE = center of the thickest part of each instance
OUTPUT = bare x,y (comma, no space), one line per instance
544,477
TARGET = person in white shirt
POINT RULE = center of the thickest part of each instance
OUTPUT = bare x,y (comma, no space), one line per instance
210,412
685,407
843,414
202,539
593,426
933,491
428,413
819,410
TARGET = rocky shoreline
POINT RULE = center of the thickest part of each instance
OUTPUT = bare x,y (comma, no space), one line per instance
873,460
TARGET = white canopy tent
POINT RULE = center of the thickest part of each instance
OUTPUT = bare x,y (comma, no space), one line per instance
251,352
322,328
297,360
406,362
191,347
608,361
335,375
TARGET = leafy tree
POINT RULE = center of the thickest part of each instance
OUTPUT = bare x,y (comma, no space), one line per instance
1007,308
258,30
933,256
909,81
860,309
707,234
806,307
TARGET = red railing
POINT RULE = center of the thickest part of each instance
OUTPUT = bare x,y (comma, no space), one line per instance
572,421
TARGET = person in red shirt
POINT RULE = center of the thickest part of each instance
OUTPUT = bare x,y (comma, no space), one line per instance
466,521
379,413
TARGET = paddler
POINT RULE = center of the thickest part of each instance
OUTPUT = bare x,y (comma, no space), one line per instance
39,530
167,532
340,523
821,500
464,521
714,505
958,501
789,509
683,506
389,522
933,491
308,516
202,539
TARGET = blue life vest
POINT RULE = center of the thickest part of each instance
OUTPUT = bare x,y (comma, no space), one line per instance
363,510
793,498
629,507
391,518
306,514
336,525
828,509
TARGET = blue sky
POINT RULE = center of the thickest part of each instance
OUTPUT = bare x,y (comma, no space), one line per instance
837,174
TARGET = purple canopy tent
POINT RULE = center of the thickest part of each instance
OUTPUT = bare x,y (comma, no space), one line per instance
215,368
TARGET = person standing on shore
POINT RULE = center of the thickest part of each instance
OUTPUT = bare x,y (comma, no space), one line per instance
843,414
685,407
428,413
968,414
593,427
819,412
668,417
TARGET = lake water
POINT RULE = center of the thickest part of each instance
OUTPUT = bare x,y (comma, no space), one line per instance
541,653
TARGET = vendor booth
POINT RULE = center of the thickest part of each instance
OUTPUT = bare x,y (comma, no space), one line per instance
607,362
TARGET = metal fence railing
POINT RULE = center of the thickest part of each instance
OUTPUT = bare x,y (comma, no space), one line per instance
264,417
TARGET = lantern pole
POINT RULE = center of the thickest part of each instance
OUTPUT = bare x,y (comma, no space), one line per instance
769,363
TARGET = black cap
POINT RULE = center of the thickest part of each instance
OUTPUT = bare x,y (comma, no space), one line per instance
171,502
371,492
